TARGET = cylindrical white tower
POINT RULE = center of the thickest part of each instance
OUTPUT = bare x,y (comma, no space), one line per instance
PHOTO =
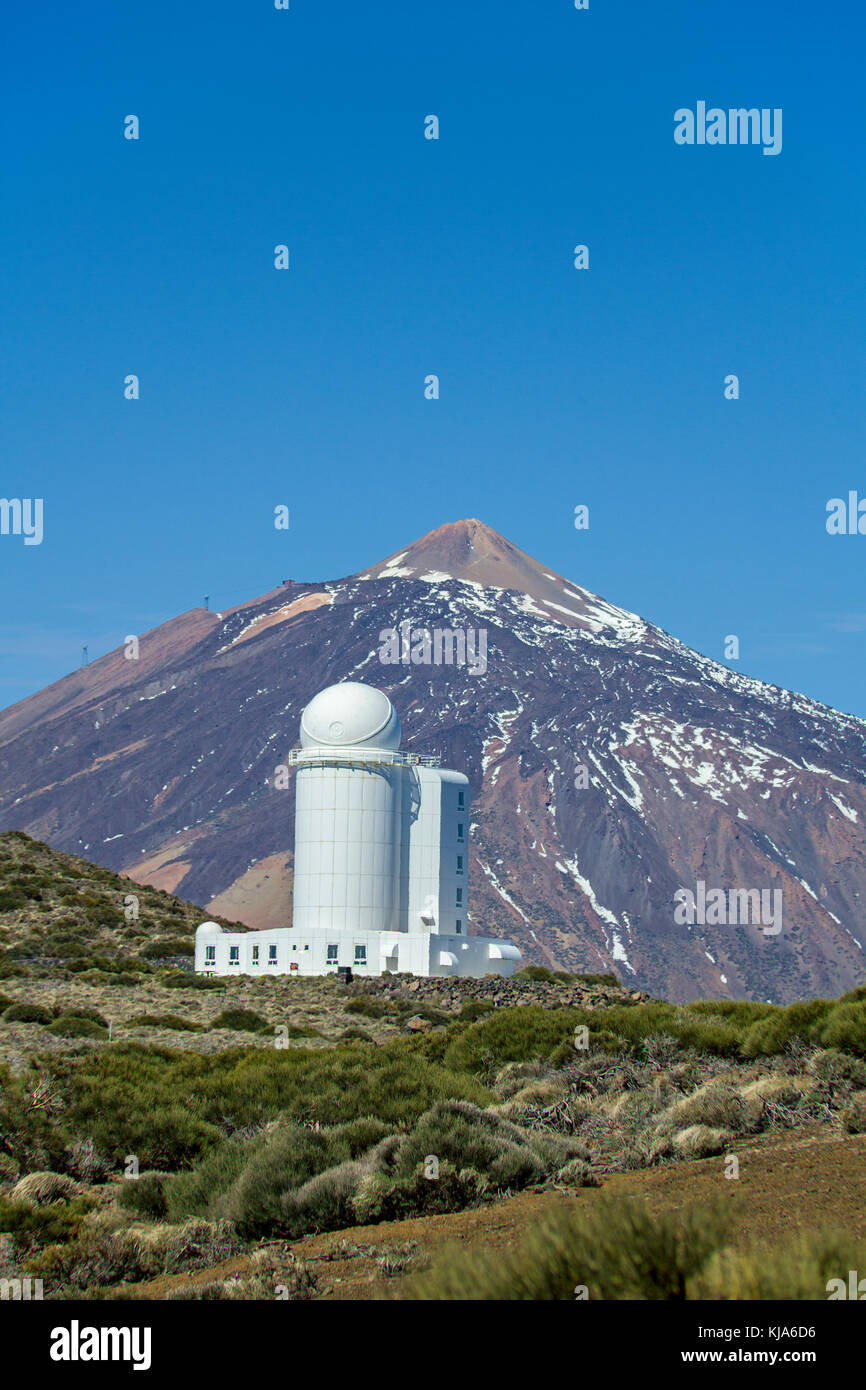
348,812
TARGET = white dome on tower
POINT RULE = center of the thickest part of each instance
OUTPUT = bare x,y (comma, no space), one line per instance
209,929
350,715
380,870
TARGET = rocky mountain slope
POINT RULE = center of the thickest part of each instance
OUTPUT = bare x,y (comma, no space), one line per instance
610,766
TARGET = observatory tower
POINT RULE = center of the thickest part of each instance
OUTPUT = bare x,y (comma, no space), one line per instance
381,857
349,796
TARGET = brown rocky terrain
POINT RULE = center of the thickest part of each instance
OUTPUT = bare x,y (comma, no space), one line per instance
790,1183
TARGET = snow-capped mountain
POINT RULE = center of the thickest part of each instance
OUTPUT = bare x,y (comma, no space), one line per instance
611,767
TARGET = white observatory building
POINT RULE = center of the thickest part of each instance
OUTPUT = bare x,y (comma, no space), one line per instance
381,858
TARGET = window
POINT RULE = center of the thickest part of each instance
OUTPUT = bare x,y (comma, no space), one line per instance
460,798
255,955
210,955
332,955
272,955
360,955
459,896
460,863
234,955
459,925
460,830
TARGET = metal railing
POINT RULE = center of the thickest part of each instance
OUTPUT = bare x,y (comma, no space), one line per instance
322,755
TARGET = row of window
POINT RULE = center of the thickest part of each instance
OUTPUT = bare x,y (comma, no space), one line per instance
235,955
360,955
461,801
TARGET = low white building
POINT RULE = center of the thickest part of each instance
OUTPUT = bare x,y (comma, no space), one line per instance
381,858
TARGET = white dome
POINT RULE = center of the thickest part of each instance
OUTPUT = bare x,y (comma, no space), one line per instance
350,715
208,929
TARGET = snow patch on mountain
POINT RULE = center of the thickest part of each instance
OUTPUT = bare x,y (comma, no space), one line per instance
604,914
847,811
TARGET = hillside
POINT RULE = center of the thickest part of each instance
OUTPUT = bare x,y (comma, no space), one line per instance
69,953
168,1135
610,766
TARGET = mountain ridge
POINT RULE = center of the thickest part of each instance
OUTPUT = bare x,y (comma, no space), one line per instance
167,768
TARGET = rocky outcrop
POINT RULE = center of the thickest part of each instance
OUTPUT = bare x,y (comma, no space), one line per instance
452,994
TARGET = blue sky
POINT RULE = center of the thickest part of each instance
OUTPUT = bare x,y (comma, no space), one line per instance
454,257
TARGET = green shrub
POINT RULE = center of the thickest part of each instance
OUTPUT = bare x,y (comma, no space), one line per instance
170,1107
73,1026
32,1226
700,1141
124,980
270,1179
743,1012
838,1071
854,1114
382,1198
535,972
577,1173
530,1032
771,1035
144,1196
291,1180
96,1258
127,1108
324,1203
468,1137
512,1035
719,1037
27,1013
366,1006
45,1187
67,950
433,1015
800,1269
77,1011
109,965
844,1028
31,1135
203,1189
616,1249
473,1009
182,979
170,946
241,1020
172,1021
563,1055
12,899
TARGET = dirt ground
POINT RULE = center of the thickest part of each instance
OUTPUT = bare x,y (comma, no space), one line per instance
790,1181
